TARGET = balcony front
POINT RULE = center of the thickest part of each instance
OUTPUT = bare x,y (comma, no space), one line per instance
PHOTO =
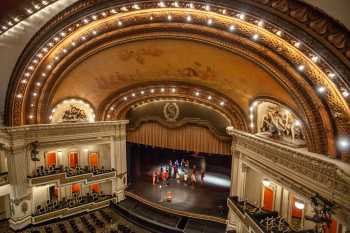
63,166
52,202
63,176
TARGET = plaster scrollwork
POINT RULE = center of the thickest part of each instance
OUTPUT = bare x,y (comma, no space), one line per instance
72,110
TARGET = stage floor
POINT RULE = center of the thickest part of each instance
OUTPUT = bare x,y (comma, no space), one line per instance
208,198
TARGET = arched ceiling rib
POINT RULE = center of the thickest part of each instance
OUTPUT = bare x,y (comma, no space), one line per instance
209,19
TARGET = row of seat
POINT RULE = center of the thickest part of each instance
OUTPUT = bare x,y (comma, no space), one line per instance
41,171
75,200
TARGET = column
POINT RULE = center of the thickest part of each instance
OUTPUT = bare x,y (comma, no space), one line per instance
118,162
238,179
21,193
278,198
234,173
285,205
238,175
243,168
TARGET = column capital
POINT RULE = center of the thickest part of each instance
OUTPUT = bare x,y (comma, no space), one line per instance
245,167
236,154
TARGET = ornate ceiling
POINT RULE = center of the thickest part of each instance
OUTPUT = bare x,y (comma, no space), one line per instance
95,51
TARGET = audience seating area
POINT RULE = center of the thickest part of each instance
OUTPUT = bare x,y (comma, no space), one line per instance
113,219
95,222
75,200
52,170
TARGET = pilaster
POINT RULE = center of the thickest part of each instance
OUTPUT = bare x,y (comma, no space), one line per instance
119,163
21,193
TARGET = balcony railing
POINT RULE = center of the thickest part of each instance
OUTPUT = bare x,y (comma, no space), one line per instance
64,208
68,176
260,221
4,178
304,172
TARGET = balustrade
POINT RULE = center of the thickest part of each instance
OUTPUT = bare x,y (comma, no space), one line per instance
260,220
68,175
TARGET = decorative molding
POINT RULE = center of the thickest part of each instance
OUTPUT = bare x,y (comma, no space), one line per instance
63,134
62,213
310,106
4,180
116,106
332,106
307,173
315,21
61,179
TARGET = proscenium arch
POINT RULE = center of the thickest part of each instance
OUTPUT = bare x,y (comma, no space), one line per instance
330,104
117,105
233,47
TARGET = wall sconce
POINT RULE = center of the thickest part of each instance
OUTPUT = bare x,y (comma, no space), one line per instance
86,150
299,205
266,182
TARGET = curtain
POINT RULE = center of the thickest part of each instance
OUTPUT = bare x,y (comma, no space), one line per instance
188,138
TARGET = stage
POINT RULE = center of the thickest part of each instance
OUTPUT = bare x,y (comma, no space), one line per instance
205,201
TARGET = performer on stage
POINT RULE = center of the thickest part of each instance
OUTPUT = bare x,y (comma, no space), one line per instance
182,164
170,168
203,168
193,176
187,165
158,176
175,171
163,175
176,163
202,176
166,177
154,177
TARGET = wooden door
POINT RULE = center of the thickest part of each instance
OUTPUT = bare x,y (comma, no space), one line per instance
51,159
93,159
268,198
73,159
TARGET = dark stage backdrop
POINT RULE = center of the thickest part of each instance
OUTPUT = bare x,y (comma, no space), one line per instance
142,158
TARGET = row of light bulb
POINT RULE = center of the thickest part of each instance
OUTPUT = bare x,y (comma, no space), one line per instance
163,90
11,22
173,90
56,39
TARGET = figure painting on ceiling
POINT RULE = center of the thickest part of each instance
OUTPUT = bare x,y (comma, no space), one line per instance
279,123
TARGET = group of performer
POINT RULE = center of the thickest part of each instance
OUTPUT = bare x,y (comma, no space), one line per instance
180,171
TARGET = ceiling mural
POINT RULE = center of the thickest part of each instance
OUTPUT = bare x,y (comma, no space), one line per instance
145,61
239,54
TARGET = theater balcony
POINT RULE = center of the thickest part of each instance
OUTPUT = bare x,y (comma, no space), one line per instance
70,206
4,178
60,176
256,219
277,188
